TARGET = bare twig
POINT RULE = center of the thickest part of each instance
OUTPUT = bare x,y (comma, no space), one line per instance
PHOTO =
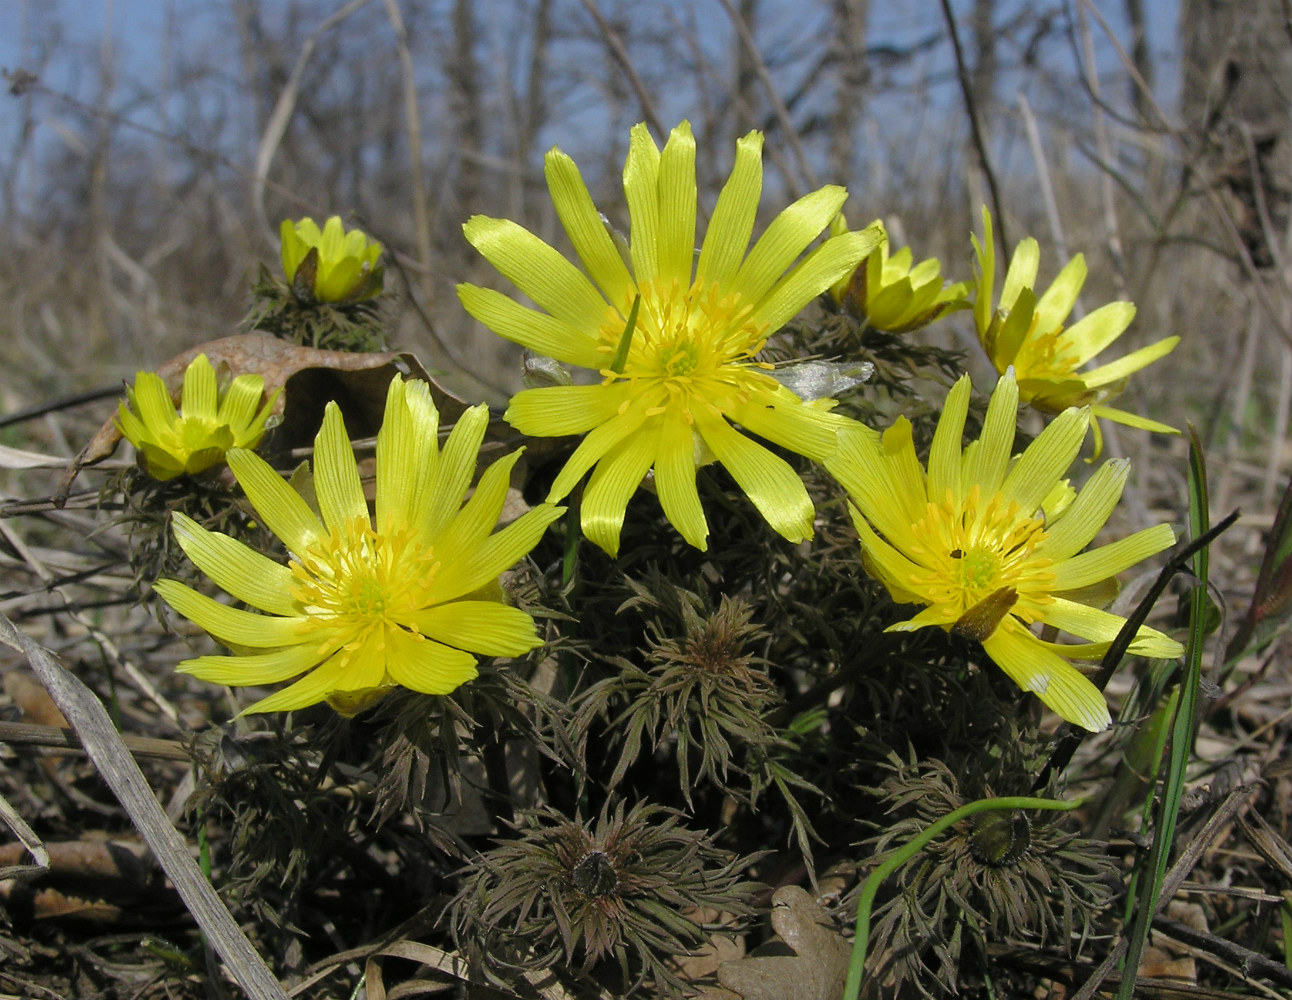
1216,826
118,768
782,112
616,47
975,127
29,734
282,113
105,643
412,122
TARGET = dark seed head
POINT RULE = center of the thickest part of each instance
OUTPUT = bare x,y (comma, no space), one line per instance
1000,838
594,875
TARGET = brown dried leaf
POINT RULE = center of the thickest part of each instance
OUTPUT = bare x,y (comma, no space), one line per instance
716,950
310,379
30,696
817,968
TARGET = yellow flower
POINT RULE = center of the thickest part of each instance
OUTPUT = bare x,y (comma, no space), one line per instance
675,337
1027,333
331,265
405,598
890,294
973,541
209,421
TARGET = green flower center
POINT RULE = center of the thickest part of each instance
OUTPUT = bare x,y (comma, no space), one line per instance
687,341
976,552
1045,355
356,581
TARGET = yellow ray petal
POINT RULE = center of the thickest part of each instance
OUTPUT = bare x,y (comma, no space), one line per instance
554,411
1114,371
230,625
430,667
774,487
990,459
677,195
1078,525
484,627
255,669
613,482
311,689
1054,680
1045,460
945,454
1109,560
584,226
548,335
336,476
499,552
789,235
282,509
732,225
675,482
537,270
244,573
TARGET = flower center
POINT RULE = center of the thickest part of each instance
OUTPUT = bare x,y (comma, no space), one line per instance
1045,355
356,581
686,341
979,561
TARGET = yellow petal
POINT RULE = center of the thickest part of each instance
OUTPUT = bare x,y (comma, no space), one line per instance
990,459
230,625
549,336
1021,274
471,525
775,488
1058,684
407,454
255,669
641,191
1054,306
244,573
282,509
1109,560
1132,420
1133,362
675,482
538,270
1080,522
587,231
945,453
1095,331
429,667
336,475
309,690
612,484
499,552
200,395
780,417
554,411
727,237
484,627
1046,459
457,467
818,271
789,234
677,197
597,444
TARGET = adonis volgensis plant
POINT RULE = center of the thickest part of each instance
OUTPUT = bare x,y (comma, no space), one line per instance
800,578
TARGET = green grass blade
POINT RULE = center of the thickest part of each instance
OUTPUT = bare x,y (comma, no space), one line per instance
1152,871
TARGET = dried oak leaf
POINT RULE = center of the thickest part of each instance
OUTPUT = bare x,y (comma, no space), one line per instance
309,378
814,966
